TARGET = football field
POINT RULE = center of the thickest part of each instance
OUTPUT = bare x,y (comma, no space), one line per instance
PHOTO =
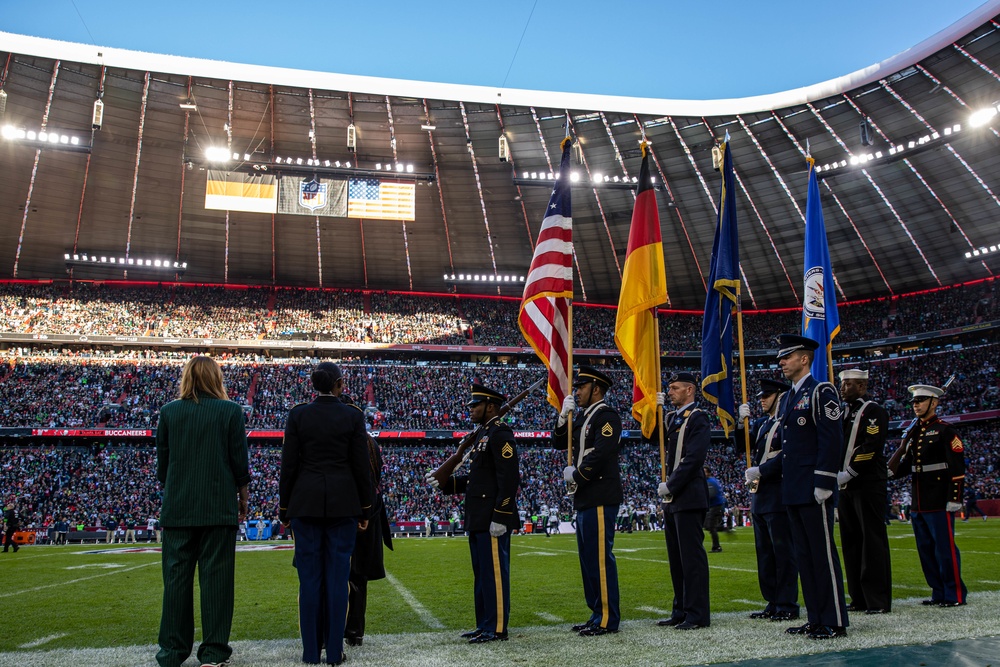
91,605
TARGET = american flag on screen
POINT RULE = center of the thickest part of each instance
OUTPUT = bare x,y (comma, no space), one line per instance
545,316
376,199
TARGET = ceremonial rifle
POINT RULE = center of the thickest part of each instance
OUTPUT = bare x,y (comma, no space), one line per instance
446,469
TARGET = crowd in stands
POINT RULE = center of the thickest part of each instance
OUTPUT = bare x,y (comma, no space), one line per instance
60,389
395,318
114,483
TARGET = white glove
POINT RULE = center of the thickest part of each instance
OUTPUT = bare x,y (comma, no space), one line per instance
953,507
744,411
568,406
752,474
662,490
821,494
568,473
843,477
497,529
432,481
661,398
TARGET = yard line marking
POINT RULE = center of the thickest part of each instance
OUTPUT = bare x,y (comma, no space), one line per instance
747,602
425,615
987,581
43,640
75,581
654,610
546,616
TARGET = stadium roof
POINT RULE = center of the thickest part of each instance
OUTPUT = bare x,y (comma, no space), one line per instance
901,213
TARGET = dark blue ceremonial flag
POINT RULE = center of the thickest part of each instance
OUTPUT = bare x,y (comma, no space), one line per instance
720,304
820,320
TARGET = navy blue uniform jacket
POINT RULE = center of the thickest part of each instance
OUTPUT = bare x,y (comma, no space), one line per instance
324,462
812,442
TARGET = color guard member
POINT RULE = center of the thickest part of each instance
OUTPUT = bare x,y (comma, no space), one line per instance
595,472
934,455
685,503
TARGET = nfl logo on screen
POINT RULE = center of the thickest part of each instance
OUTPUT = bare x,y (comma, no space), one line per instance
312,195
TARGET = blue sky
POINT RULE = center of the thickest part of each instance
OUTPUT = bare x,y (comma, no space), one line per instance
665,49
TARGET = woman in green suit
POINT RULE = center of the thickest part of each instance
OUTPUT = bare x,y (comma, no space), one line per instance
203,468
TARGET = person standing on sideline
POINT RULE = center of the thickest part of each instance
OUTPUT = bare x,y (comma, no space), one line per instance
11,525
325,494
491,512
368,561
972,502
716,510
777,574
934,455
203,468
863,497
596,476
685,503
811,455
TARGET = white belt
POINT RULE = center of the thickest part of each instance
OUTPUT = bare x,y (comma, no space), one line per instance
931,468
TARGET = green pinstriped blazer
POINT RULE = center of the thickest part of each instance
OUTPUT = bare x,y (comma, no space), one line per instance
201,462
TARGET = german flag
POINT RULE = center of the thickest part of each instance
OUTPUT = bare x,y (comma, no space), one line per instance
644,287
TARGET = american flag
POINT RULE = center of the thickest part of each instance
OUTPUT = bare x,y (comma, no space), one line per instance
544,317
376,199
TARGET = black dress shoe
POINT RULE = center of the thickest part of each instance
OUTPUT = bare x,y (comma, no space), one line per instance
767,613
931,603
689,626
784,616
354,641
489,637
875,612
581,626
800,629
827,632
951,604
716,550
856,607
597,631
471,634
670,622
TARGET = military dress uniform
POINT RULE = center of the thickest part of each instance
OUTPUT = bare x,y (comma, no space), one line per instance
777,574
688,435
934,455
861,509
490,489
324,490
811,455
598,497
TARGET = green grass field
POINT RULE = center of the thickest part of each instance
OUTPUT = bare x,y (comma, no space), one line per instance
70,598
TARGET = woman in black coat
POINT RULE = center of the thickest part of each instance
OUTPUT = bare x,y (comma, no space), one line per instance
325,494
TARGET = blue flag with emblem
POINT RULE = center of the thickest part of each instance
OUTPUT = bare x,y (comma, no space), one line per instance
820,320
720,304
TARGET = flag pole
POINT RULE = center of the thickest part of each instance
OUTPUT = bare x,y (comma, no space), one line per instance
569,423
659,377
743,370
569,327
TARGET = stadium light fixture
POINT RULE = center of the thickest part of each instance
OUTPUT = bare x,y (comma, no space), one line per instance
46,139
983,116
108,261
189,105
216,154
981,251
486,277
3,101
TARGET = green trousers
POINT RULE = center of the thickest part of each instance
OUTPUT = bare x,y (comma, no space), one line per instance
213,550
